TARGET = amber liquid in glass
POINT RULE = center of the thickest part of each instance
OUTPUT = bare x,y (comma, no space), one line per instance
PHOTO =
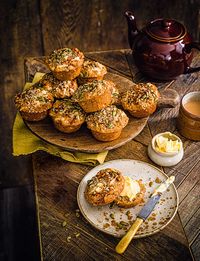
193,107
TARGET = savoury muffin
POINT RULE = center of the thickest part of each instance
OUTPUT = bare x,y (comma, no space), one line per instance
132,194
107,124
44,83
114,93
141,100
91,70
34,103
67,116
65,63
59,89
93,96
103,188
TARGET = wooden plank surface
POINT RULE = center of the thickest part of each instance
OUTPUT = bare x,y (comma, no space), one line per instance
57,182
22,27
100,24
12,78
18,224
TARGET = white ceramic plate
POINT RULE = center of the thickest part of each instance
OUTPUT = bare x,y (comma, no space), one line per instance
107,218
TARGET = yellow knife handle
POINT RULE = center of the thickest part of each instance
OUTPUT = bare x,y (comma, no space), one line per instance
126,239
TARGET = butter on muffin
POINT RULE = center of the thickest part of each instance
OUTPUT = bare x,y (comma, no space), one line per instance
107,124
141,100
65,63
67,116
93,96
34,103
91,70
132,193
104,187
59,89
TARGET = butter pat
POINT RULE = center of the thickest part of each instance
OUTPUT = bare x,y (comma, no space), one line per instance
167,143
131,188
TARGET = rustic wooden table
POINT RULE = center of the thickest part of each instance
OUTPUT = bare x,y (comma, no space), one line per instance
56,183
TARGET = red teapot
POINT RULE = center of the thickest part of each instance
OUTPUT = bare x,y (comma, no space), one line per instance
163,49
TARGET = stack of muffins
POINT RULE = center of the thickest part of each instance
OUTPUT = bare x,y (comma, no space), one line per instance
75,92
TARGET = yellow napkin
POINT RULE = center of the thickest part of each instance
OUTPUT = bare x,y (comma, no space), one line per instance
25,142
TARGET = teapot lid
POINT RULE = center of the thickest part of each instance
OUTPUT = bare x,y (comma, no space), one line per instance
166,30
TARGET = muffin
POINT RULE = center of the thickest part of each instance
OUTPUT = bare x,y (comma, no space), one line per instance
91,70
34,103
44,82
103,188
67,116
93,96
107,124
59,89
141,100
65,63
114,94
132,193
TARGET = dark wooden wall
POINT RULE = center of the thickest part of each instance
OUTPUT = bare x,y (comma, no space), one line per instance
100,24
34,28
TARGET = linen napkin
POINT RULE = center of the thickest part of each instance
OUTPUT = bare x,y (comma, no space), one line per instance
25,142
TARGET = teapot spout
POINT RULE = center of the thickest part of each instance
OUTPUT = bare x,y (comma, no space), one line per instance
132,27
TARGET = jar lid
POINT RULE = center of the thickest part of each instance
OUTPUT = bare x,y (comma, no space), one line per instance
166,30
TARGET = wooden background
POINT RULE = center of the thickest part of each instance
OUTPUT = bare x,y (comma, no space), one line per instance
35,28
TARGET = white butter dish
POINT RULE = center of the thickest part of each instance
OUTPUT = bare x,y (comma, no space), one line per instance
165,158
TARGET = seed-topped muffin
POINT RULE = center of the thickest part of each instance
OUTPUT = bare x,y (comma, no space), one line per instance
114,93
67,116
93,96
34,103
91,70
45,82
104,187
107,124
132,193
141,100
59,89
65,63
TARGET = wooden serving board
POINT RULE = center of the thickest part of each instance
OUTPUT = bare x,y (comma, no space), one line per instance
82,140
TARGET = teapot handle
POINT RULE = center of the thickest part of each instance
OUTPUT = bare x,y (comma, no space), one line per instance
193,69
169,98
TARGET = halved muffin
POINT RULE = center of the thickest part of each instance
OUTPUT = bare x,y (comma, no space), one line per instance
107,124
67,116
141,100
93,96
65,63
91,70
34,103
132,193
104,187
59,89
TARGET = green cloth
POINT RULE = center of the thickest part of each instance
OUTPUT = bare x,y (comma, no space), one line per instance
25,142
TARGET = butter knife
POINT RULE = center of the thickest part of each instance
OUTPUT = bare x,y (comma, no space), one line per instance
143,215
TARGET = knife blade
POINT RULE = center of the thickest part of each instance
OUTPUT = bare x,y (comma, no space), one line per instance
143,215
154,198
